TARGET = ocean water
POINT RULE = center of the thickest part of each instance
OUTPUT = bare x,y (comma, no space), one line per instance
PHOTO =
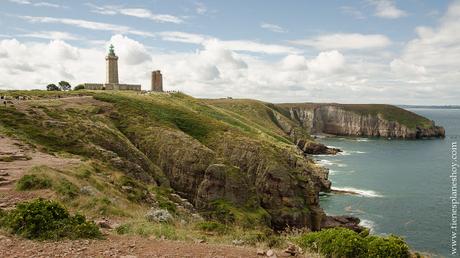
404,185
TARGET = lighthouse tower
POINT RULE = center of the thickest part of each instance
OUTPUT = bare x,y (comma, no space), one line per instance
112,67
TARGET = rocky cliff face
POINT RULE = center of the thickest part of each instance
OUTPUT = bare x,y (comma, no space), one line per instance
338,120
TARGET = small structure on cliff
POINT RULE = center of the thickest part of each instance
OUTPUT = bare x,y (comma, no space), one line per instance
157,81
112,82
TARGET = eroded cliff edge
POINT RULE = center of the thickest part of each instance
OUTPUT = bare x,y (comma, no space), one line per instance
375,120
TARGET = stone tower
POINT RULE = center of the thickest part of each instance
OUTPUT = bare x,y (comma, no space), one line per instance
157,81
112,67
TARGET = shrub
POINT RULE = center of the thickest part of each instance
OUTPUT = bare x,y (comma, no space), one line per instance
79,87
211,226
33,182
391,246
44,219
341,242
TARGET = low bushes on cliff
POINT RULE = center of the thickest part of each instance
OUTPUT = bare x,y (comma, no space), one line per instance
33,182
44,219
341,242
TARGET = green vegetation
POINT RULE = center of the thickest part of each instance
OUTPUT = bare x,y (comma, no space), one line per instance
33,182
212,226
79,87
42,219
389,112
341,242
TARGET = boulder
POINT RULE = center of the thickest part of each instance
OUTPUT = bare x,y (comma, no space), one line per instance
158,215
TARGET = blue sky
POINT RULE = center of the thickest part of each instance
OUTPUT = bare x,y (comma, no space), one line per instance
360,51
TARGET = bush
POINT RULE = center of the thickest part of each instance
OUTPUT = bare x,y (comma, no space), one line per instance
341,242
33,182
44,219
211,226
79,87
391,246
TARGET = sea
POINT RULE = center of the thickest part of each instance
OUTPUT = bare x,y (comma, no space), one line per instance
403,186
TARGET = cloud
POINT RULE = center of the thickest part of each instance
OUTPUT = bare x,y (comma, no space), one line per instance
326,62
346,41
387,9
355,13
273,27
129,51
406,69
51,35
434,55
235,45
38,4
86,24
135,12
200,8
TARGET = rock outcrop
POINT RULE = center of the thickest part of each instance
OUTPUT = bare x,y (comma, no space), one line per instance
363,120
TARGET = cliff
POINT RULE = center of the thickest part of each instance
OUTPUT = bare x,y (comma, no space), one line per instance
236,161
362,120
234,167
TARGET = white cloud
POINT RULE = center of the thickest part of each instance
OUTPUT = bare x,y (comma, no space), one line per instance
355,13
387,9
327,62
346,41
201,8
184,37
86,24
38,4
130,52
51,35
135,12
236,45
272,27
434,55
402,68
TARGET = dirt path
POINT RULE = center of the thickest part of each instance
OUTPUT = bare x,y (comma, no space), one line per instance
16,158
122,246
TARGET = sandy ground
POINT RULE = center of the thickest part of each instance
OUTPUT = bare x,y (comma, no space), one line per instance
23,158
121,246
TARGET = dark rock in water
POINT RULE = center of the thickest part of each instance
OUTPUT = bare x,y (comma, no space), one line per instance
343,221
311,147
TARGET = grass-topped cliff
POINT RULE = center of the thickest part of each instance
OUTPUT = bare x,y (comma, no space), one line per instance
168,165
375,120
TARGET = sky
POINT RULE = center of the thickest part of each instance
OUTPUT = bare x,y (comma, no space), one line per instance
358,51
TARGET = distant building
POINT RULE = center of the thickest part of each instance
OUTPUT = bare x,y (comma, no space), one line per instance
112,82
157,81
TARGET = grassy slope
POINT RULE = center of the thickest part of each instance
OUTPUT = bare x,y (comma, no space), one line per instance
81,128
389,112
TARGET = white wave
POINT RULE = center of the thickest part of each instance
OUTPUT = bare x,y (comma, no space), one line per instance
335,172
328,163
368,224
362,140
332,147
360,192
325,162
332,172
349,152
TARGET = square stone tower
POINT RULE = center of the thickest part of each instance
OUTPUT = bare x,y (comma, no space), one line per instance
157,81
112,67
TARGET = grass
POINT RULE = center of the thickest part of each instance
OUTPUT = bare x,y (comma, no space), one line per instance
33,182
